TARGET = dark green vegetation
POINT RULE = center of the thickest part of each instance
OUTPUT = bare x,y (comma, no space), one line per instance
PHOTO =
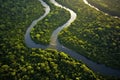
43,65
42,32
110,6
17,62
93,34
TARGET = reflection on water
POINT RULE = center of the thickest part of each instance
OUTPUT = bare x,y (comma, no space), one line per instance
28,39
102,69
53,39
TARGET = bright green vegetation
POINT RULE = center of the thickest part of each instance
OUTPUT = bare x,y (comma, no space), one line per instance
42,32
15,17
17,62
93,34
110,6
43,65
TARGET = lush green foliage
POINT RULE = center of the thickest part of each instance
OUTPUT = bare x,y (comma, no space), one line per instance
43,65
15,17
42,32
17,62
110,6
93,34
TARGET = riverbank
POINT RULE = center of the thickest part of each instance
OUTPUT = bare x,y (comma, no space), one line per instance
92,35
98,68
108,6
17,61
42,31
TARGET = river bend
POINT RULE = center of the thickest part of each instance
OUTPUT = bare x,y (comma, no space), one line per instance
29,42
100,68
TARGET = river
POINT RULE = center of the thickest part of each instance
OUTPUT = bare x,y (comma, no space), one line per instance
86,2
99,68
29,42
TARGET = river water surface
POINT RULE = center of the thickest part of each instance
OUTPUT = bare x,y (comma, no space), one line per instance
99,68
29,42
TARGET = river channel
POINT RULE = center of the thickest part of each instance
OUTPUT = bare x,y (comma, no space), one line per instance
54,43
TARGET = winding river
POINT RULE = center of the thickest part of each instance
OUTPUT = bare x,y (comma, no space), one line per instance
53,40
100,68
29,42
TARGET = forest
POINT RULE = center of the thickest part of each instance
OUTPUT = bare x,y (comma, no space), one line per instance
41,33
18,62
93,34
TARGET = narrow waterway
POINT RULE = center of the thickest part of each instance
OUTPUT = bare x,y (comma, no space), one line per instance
53,40
100,68
29,42
86,2
55,44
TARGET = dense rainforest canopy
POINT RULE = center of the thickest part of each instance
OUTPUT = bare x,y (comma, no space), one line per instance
18,62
